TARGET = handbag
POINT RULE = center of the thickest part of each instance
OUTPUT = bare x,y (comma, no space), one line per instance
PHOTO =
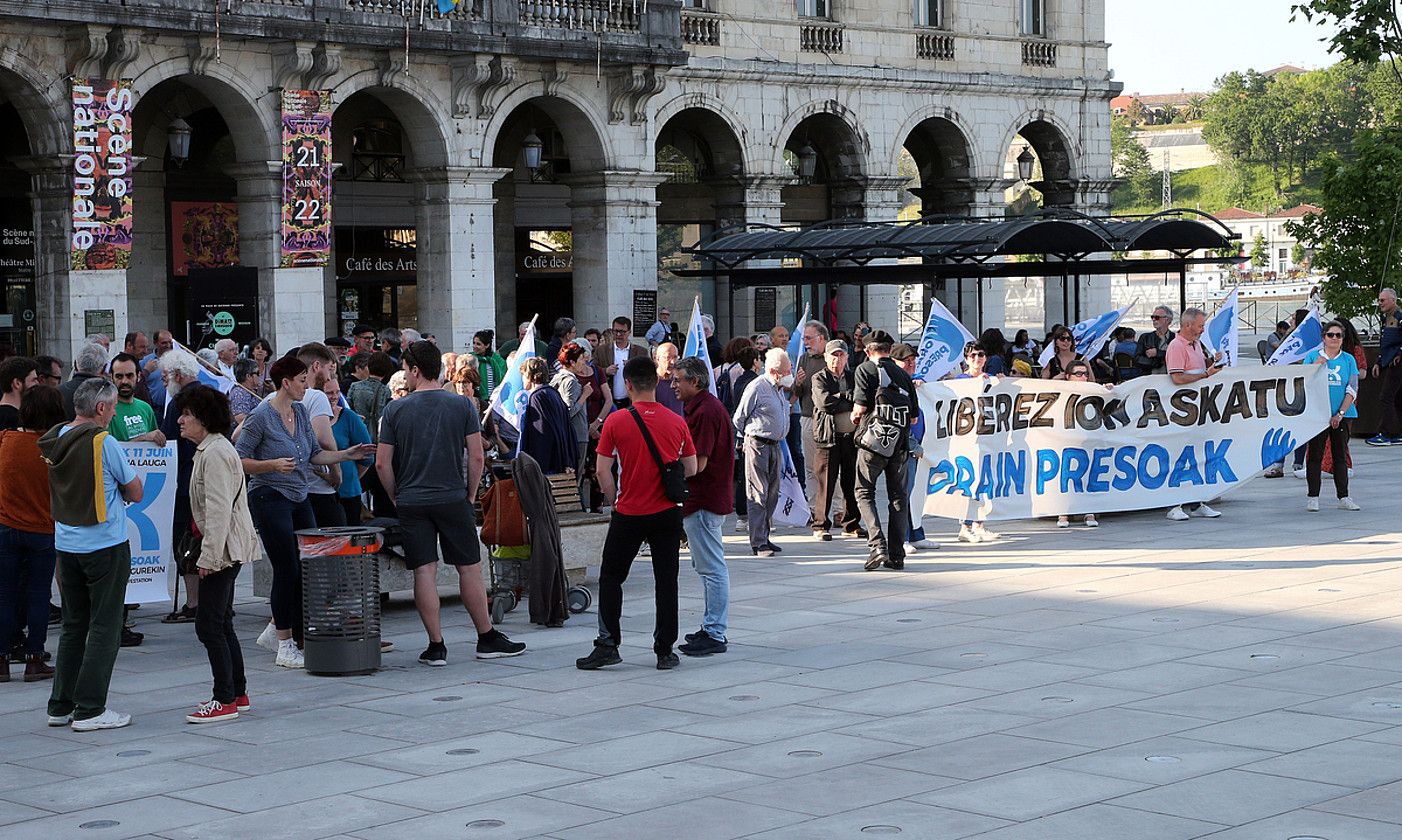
503,520
673,473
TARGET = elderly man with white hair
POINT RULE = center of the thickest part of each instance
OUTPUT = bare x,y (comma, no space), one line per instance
762,422
228,352
180,371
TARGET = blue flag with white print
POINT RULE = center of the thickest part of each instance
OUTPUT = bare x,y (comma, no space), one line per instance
1090,334
1309,335
696,343
509,400
1220,333
941,345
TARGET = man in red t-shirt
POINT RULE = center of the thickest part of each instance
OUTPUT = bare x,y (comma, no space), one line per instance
712,499
642,513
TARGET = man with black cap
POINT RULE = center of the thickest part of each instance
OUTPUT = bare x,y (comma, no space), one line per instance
835,454
884,403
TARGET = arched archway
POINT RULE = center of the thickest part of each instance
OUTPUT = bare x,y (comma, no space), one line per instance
702,155
1053,178
938,157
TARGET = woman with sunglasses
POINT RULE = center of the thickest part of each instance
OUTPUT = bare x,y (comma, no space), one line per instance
1064,355
975,357
1343,390
1079,371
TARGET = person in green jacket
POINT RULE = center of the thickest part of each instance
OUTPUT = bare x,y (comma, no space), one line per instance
491,366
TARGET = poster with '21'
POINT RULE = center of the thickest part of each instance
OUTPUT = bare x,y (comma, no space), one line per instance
306,178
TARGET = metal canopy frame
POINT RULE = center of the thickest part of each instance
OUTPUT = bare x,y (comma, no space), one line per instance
1051,243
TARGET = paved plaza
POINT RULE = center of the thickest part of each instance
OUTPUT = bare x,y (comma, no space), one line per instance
1239,679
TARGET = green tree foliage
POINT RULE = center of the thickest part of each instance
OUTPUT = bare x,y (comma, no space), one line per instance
1259,256
1365,31
1356,236
1131,161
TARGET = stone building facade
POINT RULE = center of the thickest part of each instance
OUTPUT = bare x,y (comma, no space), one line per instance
657,123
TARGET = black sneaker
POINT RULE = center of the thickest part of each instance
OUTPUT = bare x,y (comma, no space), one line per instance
184,615
55,615
691,637
131,638
763,552
667,661
599,657
436,654
825,536
859,533
772,547
495,645
875,562
894,565
705,645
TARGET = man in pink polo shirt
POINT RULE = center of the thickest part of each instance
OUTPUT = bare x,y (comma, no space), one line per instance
1186,363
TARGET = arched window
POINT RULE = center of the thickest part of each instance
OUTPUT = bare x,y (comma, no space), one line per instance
685,155
377,151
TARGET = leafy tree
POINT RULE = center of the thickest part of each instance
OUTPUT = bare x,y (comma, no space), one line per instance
1194,110
1135,112
1366,31
1298,254
1259,255
1131,161
1357,236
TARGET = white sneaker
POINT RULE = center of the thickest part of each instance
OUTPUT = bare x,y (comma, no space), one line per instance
1063,522
1090,521
107,720
1347,503
268,638
967,534
1350,472
1177,514
1300,473
645,550
1312,504
1202,511
742,526
924,545
288,656
985,535
60,720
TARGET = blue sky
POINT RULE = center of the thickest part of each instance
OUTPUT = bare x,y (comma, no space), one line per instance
1159,47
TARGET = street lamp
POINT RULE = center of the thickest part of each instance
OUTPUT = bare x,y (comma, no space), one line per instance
807,161
1025,161
178,141
531,147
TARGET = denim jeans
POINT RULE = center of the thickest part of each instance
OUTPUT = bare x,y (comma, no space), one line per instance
94,587
708,559
277,519
28,557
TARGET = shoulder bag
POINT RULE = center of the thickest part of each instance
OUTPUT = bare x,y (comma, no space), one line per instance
673,473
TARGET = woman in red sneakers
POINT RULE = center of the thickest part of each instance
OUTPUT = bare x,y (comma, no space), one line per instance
219,504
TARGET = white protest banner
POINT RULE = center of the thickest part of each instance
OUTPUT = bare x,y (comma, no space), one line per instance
149,522
1030,447
792,509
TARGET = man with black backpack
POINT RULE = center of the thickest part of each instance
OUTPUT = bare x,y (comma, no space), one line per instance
884,403
655,456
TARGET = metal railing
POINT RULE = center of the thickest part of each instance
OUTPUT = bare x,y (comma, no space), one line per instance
1039,54
820,37
701,28
938,46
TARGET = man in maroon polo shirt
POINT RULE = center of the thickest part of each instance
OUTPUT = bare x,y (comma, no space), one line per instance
641,513
712,499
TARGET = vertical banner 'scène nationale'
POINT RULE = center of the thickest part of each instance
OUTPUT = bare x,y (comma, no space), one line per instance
1026,447
306,178
102,167
149,522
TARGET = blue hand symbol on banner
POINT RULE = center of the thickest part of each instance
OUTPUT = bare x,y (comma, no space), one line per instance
136,513
1275,446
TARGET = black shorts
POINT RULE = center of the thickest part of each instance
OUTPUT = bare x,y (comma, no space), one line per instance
450,525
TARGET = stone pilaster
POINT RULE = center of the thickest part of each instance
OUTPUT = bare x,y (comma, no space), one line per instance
614,218
745,200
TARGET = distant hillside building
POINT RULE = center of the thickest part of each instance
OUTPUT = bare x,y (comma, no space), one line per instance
1280,244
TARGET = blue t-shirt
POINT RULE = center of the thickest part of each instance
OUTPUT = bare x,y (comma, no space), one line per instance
1343,375
84,539
349,430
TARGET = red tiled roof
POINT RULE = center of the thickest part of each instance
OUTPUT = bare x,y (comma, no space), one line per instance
1237,213
1299,211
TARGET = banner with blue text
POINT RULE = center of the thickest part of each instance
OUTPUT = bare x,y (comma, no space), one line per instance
1031,447
149,522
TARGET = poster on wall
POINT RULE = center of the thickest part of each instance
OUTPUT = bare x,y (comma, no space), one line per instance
306,178
203,234
149,522
102,165
223,303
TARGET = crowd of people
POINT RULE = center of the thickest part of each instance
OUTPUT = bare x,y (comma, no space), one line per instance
383,424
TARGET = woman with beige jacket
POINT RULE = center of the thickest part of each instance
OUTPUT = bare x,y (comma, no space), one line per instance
219,504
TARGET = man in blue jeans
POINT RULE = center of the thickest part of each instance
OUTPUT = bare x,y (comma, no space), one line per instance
90,484
710,501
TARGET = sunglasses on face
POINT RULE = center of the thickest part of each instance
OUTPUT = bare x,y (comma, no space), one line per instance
1077,373
1063,338
978,353
1158,317
1333,335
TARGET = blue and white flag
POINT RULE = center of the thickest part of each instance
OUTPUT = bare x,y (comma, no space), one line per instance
207,375
696,343
942,344
792,509
795,347
1221,332
1090,335
1308,336
510,398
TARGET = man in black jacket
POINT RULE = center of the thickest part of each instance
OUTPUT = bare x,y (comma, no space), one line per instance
884,397
836,453
1150,348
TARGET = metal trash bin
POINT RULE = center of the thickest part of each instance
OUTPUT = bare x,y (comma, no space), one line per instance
341,599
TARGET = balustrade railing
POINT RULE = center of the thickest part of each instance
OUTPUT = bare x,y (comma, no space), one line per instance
821,37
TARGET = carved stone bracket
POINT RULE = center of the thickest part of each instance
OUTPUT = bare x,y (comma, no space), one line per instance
631,89
477,79
326,63
393,66
553,73
292,60
204,51
87,50
123,47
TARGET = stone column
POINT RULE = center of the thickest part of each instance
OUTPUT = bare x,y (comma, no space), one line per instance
291,301
987,199
148,291
881,202
754,199
456,252
614,219
62,294
1093,199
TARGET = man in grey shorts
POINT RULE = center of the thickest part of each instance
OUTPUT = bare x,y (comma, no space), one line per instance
420,463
